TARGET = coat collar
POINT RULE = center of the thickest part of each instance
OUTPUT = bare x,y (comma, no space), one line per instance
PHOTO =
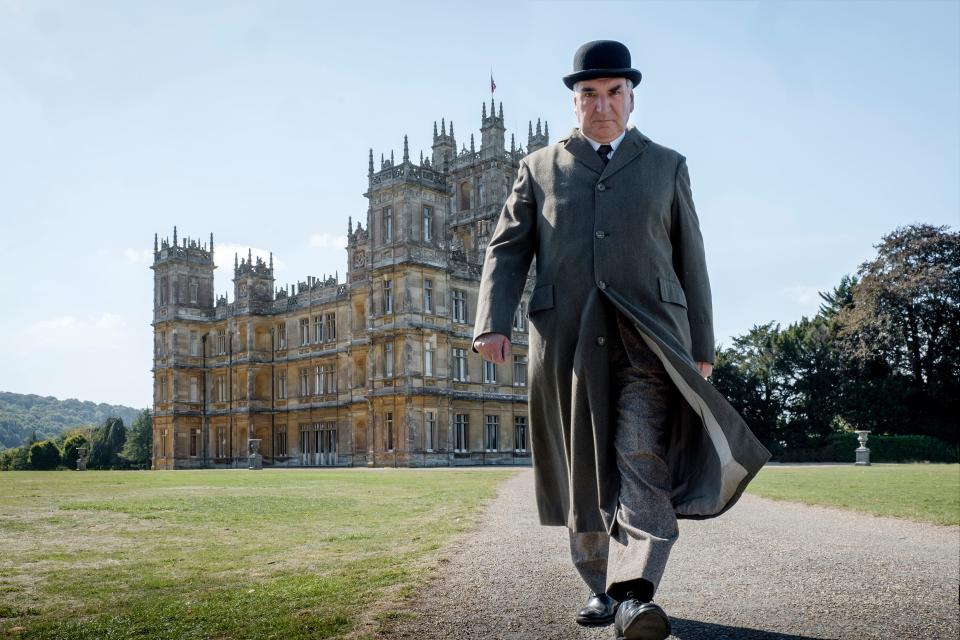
632,146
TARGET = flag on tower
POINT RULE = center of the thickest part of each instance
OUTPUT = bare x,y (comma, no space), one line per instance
493,85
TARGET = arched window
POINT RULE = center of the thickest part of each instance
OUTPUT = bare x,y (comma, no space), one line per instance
465,195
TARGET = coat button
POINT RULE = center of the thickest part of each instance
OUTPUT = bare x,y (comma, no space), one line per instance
602,285
601,341
601,187
600,234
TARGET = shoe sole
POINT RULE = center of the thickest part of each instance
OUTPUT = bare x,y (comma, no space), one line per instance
648,625
596,622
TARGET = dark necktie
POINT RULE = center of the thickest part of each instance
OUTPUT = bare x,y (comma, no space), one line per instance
602,151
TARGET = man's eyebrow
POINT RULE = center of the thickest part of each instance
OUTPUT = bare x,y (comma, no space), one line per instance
616,86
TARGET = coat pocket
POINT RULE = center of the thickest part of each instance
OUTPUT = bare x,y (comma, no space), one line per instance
671,291
541,298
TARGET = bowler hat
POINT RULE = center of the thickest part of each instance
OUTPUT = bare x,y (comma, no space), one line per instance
601,59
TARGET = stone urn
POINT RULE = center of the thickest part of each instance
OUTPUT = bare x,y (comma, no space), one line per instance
81,458
863,453
254,458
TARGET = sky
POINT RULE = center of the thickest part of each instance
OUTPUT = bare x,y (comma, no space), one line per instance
811,129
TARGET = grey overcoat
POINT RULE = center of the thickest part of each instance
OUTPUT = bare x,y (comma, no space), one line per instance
628,232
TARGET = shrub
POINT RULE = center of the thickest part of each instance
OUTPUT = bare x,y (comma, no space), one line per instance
44,455
841,447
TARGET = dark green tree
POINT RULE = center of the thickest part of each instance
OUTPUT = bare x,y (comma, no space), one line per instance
15,459
903,329
44,455
138,448
747,375
106,442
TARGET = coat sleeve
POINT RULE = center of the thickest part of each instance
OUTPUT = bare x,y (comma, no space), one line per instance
690,265
507,259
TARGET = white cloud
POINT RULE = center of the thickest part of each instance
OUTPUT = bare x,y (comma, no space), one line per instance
107,331
801,294
137,256
327,241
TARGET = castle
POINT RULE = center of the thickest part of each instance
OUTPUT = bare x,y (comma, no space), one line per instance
376,370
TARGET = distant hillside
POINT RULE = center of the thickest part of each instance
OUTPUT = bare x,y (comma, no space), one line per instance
20,414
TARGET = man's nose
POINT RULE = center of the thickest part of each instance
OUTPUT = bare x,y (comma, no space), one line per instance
602,104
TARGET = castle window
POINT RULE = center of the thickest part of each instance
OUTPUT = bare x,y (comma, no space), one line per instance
221,389
389,421
194,344
430,427
194,290
162,344
163,443
428,354
460,365
388,224
519,371
163,389
489,372
194,442
221,341
490,433
194,389
221,442
520,318
281,448
318,328
459,305
281,336
304,331
427,224
328,378
428,296
388,296
465,195
304,382
331,326
388,358
282,385
520,433
461,432
162,294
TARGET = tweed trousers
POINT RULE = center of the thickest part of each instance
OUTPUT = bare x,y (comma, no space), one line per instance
643,402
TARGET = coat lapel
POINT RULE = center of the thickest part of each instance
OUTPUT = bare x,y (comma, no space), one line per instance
632,146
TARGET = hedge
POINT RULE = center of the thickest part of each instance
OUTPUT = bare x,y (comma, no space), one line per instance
841,447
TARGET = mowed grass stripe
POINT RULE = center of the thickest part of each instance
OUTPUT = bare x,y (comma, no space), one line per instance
920,492
221,554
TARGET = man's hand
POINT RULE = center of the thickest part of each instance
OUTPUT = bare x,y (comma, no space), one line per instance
494,347
705,369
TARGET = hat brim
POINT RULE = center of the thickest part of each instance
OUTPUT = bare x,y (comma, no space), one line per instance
589,74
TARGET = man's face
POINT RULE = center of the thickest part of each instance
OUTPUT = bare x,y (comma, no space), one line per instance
603,107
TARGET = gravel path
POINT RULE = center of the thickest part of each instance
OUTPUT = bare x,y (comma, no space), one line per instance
763,571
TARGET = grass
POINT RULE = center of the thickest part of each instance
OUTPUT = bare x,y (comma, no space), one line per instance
223,554
920,492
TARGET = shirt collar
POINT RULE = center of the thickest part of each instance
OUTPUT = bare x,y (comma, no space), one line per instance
613,143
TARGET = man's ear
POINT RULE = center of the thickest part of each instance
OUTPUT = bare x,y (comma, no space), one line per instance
631,101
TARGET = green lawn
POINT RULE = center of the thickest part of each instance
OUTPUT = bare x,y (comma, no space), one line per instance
921,492
222,554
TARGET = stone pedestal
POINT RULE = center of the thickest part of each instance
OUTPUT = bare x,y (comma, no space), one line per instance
370,458
81,459
863,453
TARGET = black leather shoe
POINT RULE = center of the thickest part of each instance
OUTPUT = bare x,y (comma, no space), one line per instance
637,620
598,611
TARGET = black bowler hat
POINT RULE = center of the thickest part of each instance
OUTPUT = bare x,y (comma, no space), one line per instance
601,59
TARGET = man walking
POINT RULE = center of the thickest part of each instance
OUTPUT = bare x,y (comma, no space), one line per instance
626,433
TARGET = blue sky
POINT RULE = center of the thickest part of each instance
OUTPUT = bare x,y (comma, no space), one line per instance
811,129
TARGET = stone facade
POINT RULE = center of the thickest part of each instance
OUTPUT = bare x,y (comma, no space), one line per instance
374,370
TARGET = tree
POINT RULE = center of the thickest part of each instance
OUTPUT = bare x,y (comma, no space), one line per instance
903,325
138,449
44,455
747,375
15,459
70,447
106,443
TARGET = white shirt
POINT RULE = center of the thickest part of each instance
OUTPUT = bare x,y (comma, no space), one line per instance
613,143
